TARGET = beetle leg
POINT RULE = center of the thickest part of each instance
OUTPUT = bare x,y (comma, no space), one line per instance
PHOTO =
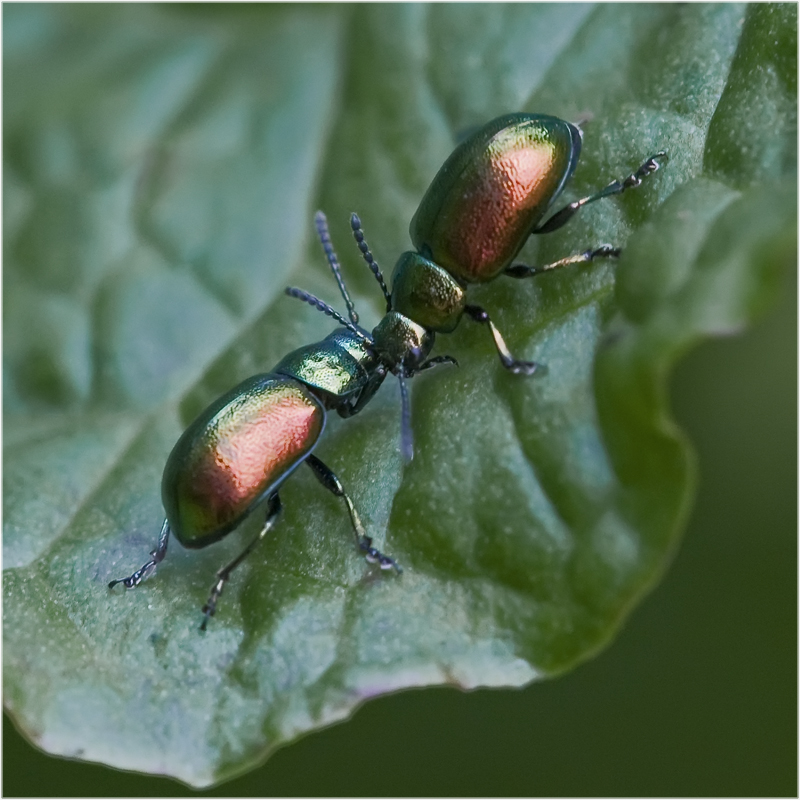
150,567
328,479
351,407
615,187
432,362
210,608
512,364
524,271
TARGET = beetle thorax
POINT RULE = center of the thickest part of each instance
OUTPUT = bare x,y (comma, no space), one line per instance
426,293
401,343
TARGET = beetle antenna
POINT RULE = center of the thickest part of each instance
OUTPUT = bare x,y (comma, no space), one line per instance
358,233
406,438
321,221
326,309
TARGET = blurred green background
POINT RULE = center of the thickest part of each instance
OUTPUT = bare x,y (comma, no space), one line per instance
697,696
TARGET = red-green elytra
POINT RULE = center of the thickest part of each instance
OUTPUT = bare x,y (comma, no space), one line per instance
236,452
494,191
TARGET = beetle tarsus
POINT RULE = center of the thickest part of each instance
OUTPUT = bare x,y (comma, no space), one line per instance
328,479
210,608
144,572
515,365
604,251
648,168
519,367
374,556
433,362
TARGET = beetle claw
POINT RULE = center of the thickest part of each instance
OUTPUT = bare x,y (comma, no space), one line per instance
518,367
374,556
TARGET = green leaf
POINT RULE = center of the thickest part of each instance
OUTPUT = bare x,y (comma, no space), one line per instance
162,168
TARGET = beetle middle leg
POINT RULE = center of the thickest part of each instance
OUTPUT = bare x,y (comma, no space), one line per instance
515,365
525,271
210,608
615,187
328,479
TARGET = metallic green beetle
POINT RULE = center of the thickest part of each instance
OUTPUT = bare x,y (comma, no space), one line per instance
490,195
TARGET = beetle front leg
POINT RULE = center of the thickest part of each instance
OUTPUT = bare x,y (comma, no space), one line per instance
150,567
329,480
210,608
525,271
350,408
435,361
515,365
562,216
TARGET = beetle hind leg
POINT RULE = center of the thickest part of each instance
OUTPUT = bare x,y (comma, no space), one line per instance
524,271
210,608
562,216
364,543
150,567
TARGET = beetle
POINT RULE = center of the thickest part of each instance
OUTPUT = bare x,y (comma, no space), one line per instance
493,192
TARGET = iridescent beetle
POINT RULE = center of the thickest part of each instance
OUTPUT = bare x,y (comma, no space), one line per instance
489,196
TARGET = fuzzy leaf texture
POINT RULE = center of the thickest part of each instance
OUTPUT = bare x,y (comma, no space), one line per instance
162,168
